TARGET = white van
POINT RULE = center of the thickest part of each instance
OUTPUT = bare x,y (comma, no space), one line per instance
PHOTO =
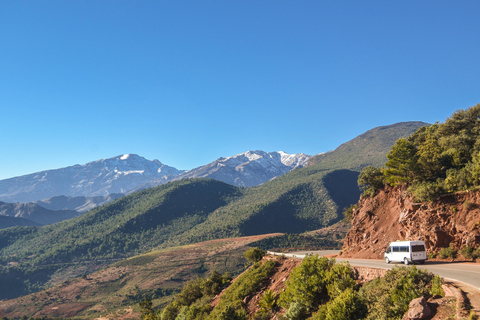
406,252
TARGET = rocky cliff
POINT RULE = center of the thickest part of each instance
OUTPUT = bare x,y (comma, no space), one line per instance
394,215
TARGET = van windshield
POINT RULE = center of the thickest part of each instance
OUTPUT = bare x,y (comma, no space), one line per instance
418,248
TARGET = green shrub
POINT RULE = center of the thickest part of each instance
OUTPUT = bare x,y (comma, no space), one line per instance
449,252
308,283
296,311
468,252
431,255
347,214
436,286
427,191
247,283
254,254
389,297
347,306
316,281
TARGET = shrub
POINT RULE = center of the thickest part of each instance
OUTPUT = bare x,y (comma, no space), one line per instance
268,302
427,191
468,252
389,297
254,254
436,286
431,255
449,252
296,311
307,284
348,213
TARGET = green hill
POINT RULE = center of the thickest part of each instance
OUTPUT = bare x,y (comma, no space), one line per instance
190,211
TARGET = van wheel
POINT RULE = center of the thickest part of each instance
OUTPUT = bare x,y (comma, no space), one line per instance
405,261
387,260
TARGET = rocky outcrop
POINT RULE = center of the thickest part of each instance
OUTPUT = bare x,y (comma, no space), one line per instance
418,310
394,215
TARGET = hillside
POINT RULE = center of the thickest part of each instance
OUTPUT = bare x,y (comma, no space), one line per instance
115,291
34,213
369,148
178,213
436,172
451,220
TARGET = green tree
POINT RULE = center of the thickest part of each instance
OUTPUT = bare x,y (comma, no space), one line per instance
370,180
402,161
146,310
254,254
308,283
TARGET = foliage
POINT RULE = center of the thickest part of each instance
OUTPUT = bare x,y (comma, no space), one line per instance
439,159
296,311
370,180
348,213
346,306
193,301
448,252
315,281
254,254
247,283
292,240
389,297
268,302
146,310
436,287
468,252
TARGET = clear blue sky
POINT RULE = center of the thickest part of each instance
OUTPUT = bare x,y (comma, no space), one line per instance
186,82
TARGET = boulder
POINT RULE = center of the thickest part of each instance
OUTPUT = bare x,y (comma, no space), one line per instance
418,309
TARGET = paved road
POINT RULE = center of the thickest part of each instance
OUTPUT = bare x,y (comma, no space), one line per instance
460,271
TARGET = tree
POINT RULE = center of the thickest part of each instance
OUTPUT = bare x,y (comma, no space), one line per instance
254,254
370,180
401,164
146,310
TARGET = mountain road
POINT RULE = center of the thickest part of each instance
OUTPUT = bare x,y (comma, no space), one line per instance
466,272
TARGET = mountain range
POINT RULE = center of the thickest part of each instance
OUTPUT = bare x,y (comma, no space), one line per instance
82,187
130,172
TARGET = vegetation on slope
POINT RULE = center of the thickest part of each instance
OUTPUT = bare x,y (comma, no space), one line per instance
318,288
439,159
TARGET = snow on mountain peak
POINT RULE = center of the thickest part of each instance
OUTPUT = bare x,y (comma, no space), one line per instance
125,156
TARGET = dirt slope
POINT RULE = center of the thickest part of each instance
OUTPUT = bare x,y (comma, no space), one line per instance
393,215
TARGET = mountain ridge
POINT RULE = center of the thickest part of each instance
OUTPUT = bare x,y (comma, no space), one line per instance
130,172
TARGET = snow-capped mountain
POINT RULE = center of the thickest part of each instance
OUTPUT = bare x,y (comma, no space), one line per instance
250,168
247,169
99,178
129,172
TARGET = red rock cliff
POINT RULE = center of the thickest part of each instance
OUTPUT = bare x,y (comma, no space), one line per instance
393,215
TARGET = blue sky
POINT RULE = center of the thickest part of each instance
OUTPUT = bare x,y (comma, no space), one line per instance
186,82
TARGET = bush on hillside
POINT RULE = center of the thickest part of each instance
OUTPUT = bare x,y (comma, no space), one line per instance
389,297
254,254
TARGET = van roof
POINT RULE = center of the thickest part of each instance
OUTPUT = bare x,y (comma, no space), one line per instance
408,241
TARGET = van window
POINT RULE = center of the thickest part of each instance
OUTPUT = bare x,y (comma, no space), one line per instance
418,248
401,249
